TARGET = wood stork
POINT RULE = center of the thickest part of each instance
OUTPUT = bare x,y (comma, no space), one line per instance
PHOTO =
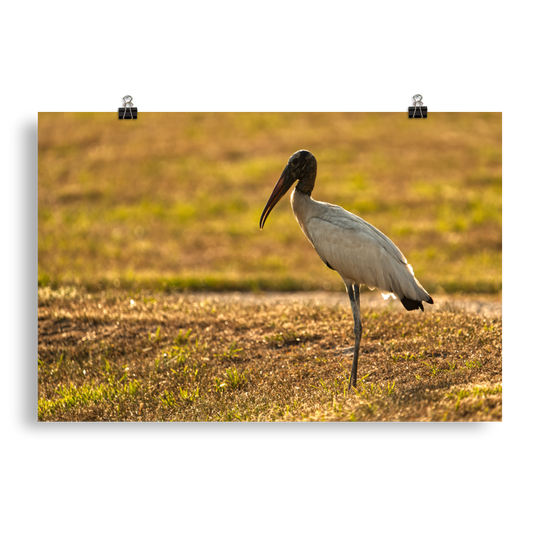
358,251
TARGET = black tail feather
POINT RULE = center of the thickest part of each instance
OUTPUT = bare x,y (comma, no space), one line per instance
411,305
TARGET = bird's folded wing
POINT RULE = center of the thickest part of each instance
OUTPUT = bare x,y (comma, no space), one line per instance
360,252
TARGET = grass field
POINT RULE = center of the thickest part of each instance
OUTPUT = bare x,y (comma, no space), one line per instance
159,356
135,215
174,200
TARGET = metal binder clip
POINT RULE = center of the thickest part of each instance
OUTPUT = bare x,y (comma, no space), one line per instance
417,107
127,106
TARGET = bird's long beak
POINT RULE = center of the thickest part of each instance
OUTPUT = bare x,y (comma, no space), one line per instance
282,186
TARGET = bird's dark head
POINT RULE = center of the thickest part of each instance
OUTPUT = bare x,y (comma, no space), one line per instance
301,167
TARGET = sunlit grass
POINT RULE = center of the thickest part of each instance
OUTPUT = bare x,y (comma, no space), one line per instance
174,200
119,355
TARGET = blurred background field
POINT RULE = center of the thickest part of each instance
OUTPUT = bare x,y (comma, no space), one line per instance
173,200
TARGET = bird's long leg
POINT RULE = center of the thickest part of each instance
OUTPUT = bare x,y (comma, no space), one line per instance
353,293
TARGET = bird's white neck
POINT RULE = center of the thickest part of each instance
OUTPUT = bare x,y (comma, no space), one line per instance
303,207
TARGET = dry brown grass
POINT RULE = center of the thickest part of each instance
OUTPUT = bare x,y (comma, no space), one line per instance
141,356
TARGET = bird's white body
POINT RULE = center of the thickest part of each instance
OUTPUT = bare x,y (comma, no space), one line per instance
358,251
